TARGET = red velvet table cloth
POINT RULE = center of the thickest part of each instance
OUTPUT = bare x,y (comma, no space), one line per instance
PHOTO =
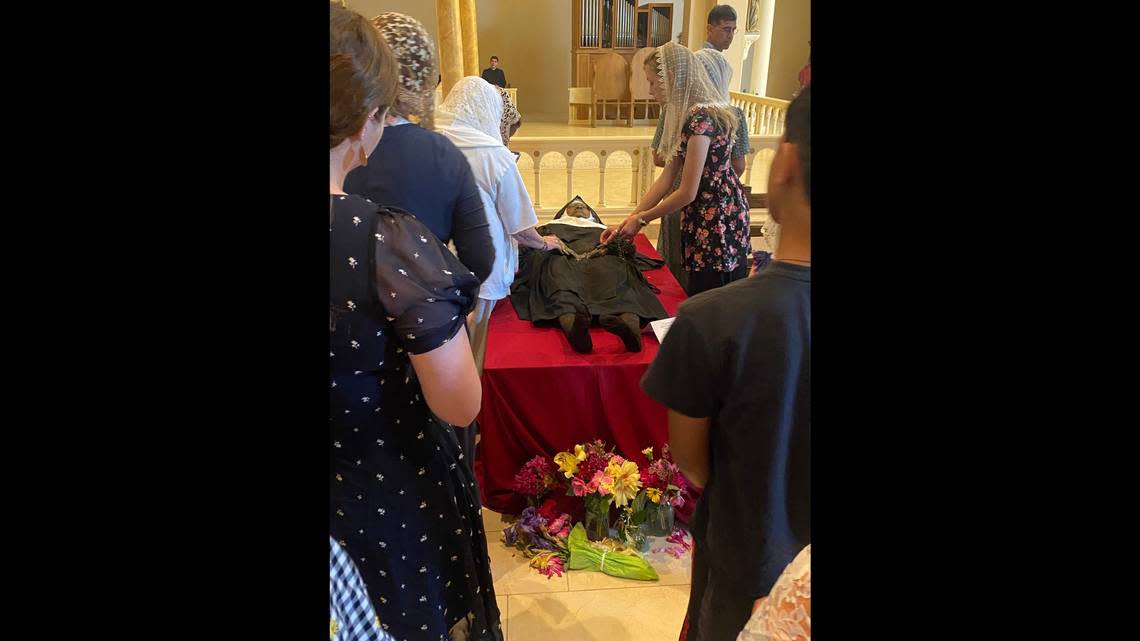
542,397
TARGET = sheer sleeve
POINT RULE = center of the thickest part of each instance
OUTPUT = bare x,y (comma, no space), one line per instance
422,286
785,615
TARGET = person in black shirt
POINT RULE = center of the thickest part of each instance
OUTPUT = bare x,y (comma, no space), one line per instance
494,74
735,372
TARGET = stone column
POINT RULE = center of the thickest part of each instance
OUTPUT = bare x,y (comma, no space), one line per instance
470,30
697,17
762,49
450,38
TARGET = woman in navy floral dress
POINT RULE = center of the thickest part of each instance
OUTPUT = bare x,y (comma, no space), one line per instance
402,503
697,142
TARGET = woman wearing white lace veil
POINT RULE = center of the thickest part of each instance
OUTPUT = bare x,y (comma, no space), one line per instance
471,117
720,73
785,614
719,70
696,143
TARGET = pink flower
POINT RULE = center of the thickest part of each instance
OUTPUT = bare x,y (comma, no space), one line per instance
560,527
548,564
673,551
579,487
678,538
601,483
535,478
554,567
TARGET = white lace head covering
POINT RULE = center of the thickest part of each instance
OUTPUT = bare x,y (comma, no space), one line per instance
471,113
719,70
686,86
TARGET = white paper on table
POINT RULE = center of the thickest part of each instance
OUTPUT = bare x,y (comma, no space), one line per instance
660,327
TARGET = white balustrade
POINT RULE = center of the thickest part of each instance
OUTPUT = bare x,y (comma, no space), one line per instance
585,163
765,115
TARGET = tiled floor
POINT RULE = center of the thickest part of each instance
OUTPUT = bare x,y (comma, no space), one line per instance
585,606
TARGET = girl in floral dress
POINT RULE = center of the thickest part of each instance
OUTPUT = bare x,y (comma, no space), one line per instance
697,142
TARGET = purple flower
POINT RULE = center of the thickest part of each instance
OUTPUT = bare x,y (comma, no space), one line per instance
542,543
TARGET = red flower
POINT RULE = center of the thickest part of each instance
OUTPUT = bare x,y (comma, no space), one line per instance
650,479
548,510
558,504
594,462
535,478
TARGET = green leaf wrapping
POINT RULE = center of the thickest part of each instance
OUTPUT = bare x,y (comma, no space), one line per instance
584,556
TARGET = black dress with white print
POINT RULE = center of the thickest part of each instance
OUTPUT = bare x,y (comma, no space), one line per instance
402,502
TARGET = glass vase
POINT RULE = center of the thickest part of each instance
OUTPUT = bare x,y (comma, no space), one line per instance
598,523
658,519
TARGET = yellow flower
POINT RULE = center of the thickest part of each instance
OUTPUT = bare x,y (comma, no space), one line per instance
654,494
332,628
579,452
648,452
567,463
626,481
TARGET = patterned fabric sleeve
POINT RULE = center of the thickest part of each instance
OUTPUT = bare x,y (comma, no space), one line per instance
699,124
423,287
740,147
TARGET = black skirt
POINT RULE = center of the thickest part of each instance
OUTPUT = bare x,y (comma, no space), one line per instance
549,283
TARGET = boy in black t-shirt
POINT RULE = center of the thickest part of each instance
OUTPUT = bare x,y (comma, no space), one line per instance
735,372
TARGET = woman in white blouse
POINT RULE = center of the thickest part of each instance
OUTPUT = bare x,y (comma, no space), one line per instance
470,117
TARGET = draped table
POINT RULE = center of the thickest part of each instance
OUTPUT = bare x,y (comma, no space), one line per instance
540,397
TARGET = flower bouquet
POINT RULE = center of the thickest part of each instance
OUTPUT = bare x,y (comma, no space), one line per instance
664,485
540,539
567,525
535,480
599,477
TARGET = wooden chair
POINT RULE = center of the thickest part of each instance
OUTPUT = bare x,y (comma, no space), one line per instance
581,97
638,86
610,83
